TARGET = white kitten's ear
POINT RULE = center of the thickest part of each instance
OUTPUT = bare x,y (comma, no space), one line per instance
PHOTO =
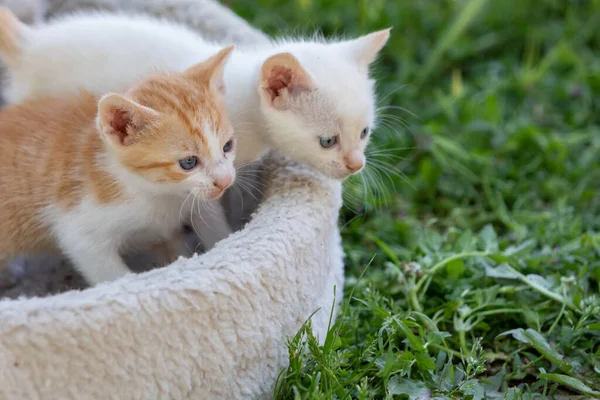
121,120
28,11
211,70
281,77
364,49
12,36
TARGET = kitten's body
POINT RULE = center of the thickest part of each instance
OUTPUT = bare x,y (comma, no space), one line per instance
92,188
54,186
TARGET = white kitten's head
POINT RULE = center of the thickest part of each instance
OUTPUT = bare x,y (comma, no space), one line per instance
320,105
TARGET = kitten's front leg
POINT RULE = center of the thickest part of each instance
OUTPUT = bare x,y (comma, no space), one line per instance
96,259
8,278
210,223
169,250
98,265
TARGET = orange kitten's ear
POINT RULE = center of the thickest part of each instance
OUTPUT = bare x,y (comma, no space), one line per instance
364,49
12,35
281,77
211,70
121,120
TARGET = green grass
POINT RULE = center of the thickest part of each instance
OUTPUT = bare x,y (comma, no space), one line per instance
473,261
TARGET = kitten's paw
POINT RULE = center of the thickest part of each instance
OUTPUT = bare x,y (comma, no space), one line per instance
161,254
12,273
166,252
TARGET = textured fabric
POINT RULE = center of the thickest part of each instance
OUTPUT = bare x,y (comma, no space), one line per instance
208,17
214,326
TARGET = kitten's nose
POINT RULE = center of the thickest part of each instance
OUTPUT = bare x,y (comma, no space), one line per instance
354,161
222,181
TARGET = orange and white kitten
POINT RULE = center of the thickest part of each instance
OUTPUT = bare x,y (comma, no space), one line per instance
92,178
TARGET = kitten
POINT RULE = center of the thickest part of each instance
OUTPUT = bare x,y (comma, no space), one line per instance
310,99
91,177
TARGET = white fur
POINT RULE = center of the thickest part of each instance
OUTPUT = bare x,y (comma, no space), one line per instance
104,52
211,327
92,235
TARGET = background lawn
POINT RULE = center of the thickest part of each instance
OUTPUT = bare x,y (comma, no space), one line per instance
473,240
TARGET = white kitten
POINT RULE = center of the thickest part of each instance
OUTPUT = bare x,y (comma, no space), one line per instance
310,99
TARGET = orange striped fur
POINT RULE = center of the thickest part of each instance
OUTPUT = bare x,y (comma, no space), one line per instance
58,153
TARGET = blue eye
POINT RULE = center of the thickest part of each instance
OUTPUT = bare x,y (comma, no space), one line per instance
188,163
327,141
364,133
228,146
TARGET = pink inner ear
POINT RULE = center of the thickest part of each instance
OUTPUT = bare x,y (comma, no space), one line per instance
119,122
280,78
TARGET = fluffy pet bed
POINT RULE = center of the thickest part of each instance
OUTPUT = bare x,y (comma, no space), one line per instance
212,326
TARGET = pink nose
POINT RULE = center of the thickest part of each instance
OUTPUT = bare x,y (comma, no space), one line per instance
222,182
354,161
354,167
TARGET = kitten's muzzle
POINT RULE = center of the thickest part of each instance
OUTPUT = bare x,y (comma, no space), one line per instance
354,161
354,168
222,182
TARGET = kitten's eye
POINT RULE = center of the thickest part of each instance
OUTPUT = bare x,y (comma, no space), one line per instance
364,133
228,146
327,141
188,163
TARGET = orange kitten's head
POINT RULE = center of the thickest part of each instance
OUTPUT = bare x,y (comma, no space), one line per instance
173,131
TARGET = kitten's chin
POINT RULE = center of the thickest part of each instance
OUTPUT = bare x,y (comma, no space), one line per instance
207,194
337,175
215,195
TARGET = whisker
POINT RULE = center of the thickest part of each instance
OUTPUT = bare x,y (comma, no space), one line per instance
389,169
192,216
391,130
385,155
386,150
400,87
390,121
388,176
248,188
183,204
240,195
400,108
379,188
350,221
